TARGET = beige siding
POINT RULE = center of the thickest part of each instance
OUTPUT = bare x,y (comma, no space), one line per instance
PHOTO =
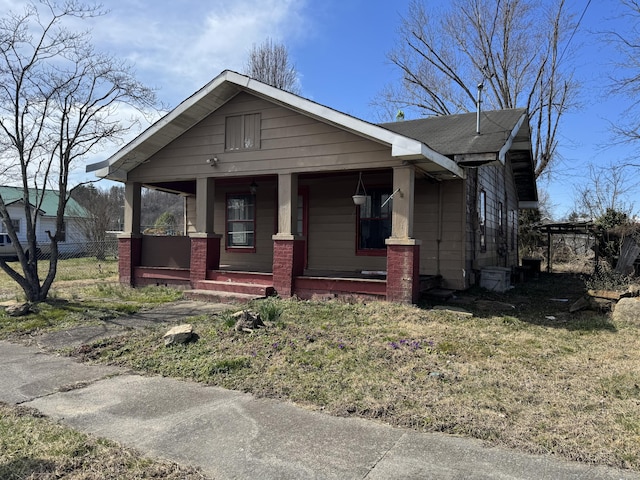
332,223
262,258
439,221
290,142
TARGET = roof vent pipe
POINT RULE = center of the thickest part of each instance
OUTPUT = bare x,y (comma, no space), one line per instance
479,107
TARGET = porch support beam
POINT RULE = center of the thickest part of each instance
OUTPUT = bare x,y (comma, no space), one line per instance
205,193
403,200
403,251
287,206
132,207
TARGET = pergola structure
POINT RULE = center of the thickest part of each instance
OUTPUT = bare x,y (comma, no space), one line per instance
567,228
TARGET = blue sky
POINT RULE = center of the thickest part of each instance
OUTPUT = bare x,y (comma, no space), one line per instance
339,48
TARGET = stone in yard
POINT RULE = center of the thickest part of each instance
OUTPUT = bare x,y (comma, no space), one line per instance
179,334
247,321
627,310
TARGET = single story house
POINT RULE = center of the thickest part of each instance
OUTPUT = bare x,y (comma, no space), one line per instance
269,180
46,202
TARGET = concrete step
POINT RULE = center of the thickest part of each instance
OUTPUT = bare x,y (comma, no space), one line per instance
219,297
257,290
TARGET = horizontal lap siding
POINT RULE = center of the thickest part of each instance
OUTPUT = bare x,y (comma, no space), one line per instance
332,223
290,142
446,257
262,258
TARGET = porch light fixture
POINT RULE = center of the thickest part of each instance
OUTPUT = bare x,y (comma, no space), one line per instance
253,188
361,193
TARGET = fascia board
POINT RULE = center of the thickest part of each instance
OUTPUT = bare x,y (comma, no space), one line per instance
502,155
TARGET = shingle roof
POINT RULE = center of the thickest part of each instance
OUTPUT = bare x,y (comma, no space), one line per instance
456,134
49,205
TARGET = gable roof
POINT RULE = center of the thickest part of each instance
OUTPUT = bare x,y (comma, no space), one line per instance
226,86
441,144
49,207
501,131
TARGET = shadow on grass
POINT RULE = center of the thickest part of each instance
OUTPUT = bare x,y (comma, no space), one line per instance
26,467
542,301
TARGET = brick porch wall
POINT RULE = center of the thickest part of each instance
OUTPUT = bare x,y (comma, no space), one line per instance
288,263
205,255
403,273
129,255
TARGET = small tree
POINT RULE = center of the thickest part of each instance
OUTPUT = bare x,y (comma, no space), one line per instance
102,210
270,63
58,100
166,224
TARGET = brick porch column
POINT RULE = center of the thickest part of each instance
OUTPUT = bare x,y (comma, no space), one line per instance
288,263
129,256
205,255
403,270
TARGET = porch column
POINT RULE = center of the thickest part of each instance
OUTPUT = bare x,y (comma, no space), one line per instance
288,246
205,244
130,241
403,251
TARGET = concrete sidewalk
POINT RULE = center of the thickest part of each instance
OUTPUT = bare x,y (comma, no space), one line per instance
232,435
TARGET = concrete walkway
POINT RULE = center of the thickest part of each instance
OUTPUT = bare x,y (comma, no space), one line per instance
232,435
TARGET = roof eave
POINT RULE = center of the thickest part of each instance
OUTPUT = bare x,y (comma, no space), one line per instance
502,155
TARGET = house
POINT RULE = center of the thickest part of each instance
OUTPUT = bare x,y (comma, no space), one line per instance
73,239
268,179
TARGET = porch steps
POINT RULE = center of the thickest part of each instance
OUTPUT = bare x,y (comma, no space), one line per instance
254,289
219,297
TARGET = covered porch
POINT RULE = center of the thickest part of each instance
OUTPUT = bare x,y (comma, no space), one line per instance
298,257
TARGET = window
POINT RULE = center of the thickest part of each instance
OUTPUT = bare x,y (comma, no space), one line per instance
500,218
482,220
514,225
374,222
241,221
242,132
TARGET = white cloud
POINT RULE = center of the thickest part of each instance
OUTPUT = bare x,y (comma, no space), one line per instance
179,46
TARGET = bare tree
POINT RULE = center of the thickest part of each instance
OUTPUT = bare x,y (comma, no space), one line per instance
58,103
626,82
514,48
608,188
269,62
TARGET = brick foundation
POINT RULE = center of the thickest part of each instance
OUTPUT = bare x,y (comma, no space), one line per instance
129,255
403,273
205,255
288,263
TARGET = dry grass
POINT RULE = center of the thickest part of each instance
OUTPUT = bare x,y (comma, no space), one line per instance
533,377
33,447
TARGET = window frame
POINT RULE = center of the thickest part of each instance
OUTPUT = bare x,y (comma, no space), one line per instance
381,251
244,117
482,219
253,222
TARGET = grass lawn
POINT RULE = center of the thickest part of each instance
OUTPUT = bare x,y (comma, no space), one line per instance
521,372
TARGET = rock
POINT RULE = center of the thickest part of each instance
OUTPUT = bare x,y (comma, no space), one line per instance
247,321
627,310
179,334
19,310
581,304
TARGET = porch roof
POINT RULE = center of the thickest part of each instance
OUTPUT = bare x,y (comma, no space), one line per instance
227,85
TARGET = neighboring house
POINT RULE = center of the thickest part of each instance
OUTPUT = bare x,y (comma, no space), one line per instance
268,179
73,241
